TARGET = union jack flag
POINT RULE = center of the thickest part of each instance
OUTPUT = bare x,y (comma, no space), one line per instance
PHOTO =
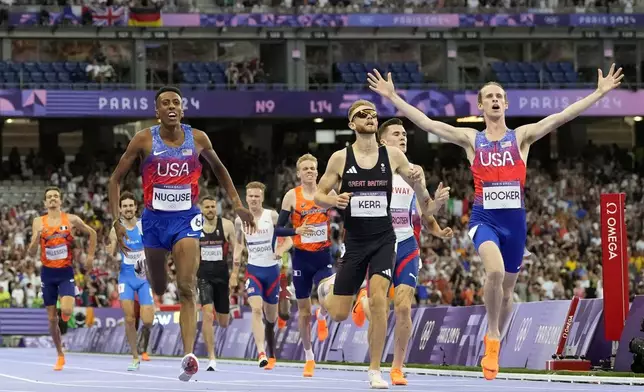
109,16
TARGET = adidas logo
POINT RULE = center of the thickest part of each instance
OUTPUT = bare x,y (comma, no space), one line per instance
352,170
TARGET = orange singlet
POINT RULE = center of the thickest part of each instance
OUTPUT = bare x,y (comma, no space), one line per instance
307,212
56,243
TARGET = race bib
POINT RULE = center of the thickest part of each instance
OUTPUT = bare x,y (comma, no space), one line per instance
133,256
260,250
212,253
501,195
400,218
320,234
56,253
369,204
172,197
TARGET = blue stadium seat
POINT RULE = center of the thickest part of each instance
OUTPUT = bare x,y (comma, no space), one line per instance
30,67
567,66
189,77
538,66
571,77
370,66
512,66
203,78
50,77
213,68
198,67
183,67
531,77
64,77
58,67
503,77
526,67
361,77
498,66
357,67
45,67
517,77
411,67
15,67
71,66
218,78
553,67
397,68
3,67
348,78
402,77
558,77
416,77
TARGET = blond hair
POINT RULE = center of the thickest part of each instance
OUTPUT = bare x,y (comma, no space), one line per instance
256,185
304,158
357,104
479,96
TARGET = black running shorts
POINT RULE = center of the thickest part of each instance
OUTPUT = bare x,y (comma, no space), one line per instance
213,290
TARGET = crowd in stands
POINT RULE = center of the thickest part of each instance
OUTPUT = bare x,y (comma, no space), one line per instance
563,230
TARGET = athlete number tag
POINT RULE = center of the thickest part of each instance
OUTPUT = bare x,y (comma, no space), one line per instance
172,197
320,234
501,195
56,252
369,204
400,218
133,256
212,253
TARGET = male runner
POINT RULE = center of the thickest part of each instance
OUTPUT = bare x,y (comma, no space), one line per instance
312,260
364,172
213,277
171,220
262,272
53,232
405,277
497,158
132,279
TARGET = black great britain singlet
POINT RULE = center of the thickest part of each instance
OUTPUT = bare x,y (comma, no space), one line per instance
368,211
214,250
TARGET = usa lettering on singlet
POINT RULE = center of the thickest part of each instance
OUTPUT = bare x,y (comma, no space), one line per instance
260,243
171,174
499,173
402,200
135,243
368,211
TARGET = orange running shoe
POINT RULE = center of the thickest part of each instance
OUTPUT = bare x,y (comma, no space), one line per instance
281,324
60,362
309,367
490,361
271,364
323,329
358,314
397,377
145,357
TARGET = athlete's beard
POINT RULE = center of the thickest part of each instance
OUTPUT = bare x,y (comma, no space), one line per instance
366,131
210,218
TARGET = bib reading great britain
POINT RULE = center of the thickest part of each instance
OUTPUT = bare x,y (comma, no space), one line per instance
170,191
498,214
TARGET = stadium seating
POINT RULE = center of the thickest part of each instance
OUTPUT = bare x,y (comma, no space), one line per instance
212,75
353,75
530,75
57,75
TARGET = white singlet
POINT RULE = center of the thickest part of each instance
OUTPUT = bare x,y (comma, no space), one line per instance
260,245
402,197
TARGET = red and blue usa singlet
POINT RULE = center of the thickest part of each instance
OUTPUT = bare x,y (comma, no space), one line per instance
171,174
498,214
499,173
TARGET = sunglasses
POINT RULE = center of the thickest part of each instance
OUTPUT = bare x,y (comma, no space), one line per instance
364,113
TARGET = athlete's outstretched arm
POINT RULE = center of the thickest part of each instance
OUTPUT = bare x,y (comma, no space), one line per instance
385,87
36,229
229,234
415,177
223,176
329,181
532,132
85,228
237,252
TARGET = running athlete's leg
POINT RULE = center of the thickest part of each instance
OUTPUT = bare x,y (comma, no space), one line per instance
303,276
402,331
54,330
67,301
509,281
207,310
493,288
185,254
257,322
381,266
146,314
304,322
271,282
156,260
130,328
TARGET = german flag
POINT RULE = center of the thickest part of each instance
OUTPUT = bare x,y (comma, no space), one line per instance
145,17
